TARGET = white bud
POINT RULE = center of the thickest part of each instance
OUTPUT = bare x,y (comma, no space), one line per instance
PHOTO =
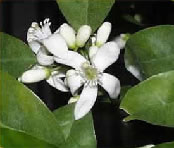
92,51
103,33
68,33
83,35
34,75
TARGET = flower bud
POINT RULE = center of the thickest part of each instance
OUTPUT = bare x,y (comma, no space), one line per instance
103,33
92,51
35,75
83,35
68,33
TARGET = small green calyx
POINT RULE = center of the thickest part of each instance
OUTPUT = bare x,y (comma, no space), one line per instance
48,72
90,72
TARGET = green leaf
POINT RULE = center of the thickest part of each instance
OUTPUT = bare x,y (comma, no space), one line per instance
11,138
152,100
90,12
21,110
15,55
165,145
124,90
150,51
78,133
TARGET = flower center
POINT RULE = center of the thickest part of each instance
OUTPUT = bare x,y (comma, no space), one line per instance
89,71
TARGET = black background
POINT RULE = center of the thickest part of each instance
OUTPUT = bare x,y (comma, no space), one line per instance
16,17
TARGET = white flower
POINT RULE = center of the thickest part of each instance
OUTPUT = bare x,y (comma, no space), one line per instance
74,41
103,33
90,74
43,43
41,40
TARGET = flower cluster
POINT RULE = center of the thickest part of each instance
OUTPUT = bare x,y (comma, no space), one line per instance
63,67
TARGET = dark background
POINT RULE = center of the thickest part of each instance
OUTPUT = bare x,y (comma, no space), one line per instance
16,17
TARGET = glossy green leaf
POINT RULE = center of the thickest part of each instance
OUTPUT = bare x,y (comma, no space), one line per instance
124,90
150,51
90,12
78,133
21,110
15,55
152,100
11,138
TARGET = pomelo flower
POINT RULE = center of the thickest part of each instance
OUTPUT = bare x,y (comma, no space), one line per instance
90,73
41,40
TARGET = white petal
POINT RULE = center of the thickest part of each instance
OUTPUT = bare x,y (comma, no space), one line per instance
56,82
92,51
35,46
111,84
34,75
43,58
68,33
86,101
103,33
83,35
106,55
74,81
56,45
72,59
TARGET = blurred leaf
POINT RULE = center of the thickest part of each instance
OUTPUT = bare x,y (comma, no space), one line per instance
21,110
78,133
150,51
165,145
152,100
90,12
11,138
15,55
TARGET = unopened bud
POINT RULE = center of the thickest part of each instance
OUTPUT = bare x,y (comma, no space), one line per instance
68,33
83,35
34,75
103,33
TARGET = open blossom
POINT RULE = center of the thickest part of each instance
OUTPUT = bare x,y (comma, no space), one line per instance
90,74
86,72
41,40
